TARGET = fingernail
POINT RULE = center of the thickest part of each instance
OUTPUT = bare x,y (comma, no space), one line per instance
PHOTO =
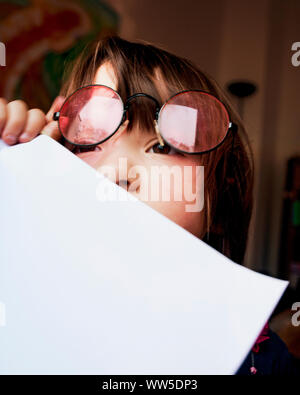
10,139
24,136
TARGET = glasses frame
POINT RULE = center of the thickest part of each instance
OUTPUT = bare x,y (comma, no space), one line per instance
231,126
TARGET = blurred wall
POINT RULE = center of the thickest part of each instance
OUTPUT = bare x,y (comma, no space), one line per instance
234,39
40,35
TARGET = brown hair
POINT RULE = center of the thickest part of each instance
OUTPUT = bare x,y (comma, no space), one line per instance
138,67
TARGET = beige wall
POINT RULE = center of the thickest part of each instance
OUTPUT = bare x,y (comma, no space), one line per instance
185,27
239,39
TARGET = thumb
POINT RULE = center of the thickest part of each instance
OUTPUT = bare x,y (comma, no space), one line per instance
52,130
56,106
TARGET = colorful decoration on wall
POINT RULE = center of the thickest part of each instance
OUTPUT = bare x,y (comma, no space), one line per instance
40,35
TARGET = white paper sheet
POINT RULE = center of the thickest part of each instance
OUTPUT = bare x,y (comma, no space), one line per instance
112,287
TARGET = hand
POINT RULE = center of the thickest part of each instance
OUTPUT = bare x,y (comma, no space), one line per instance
20,125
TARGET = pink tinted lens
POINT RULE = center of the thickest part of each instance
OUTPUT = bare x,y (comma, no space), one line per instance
193,121
91,115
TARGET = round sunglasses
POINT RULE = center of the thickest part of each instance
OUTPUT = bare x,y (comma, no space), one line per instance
190,121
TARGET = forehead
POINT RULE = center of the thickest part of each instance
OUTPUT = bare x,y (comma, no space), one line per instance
105,75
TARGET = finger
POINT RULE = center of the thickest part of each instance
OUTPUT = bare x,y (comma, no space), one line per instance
15,121
51,130
56,106
3,104
36,120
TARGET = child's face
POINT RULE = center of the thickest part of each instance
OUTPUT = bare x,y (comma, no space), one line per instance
138,149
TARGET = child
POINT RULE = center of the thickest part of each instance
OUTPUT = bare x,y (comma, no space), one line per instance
221,145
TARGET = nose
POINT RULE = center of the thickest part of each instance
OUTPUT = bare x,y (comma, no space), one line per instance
118,157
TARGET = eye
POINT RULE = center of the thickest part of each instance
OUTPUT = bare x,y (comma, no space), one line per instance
158,149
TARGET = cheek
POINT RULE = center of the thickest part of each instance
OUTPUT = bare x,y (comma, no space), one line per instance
193,222
179,197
